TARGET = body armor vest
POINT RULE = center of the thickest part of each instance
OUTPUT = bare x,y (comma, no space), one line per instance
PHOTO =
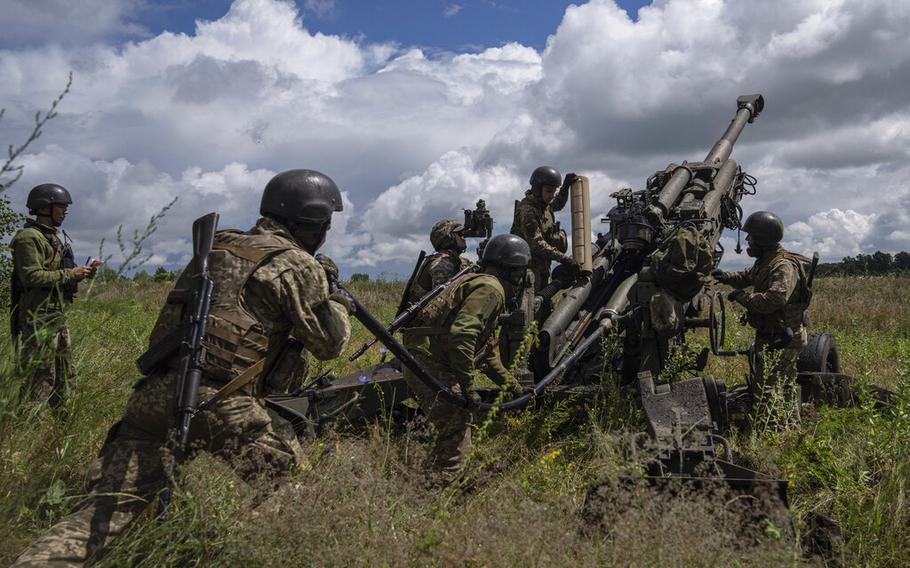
234,338
793,315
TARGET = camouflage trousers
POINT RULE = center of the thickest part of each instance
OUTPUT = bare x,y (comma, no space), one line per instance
129,471
45,355
452,423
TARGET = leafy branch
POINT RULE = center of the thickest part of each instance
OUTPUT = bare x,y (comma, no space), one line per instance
132,252
9,167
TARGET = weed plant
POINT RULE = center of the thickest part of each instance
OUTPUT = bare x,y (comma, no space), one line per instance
554,488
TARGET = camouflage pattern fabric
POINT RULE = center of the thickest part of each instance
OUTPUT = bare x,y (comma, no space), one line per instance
535,223
452,356
288,296
779,296
44,350
45,354
778,301
437,269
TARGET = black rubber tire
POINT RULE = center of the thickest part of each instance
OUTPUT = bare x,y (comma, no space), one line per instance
820,354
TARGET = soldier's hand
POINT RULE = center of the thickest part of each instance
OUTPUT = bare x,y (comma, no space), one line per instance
342,298
473,398
331,269
569,179
735,295
569,262
82,272
719,275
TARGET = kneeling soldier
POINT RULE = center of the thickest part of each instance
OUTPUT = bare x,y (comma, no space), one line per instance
270,298
455,334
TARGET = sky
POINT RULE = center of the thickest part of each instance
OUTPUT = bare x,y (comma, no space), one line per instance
417,109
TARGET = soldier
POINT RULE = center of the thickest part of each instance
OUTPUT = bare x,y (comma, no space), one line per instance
777,305
454,335
43,283
447,238
535,223
270,298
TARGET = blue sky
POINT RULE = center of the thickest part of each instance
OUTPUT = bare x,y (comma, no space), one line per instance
417,114
461,25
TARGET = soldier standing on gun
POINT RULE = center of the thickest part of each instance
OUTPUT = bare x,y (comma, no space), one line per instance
777,305
447,238
455,334
270,299
43,283
534,222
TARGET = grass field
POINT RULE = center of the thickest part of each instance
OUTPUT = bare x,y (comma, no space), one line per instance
362,500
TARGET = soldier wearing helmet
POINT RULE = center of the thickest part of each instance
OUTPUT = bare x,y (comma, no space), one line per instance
535,223
271,299
447,239
43,283
454,336
776,306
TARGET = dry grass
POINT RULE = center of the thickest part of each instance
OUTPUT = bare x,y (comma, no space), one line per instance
364,500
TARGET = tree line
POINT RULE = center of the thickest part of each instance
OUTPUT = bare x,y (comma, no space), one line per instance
875,264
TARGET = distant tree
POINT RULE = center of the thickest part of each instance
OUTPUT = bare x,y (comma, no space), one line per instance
162,275
880,263
902,261
360,277
142,277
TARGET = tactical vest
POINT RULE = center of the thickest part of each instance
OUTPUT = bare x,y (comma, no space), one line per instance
436,317
549,228
424,282
234,339
794,314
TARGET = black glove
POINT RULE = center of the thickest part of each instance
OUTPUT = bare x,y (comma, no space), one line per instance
568,261
569,180
719,275
735,295
331,269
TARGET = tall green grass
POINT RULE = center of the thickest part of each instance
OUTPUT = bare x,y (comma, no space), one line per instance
363,499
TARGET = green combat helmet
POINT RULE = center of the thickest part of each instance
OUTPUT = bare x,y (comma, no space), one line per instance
47,194
765,228
442,235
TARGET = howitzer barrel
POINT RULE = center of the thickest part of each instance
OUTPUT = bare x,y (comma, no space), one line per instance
723,181
748,109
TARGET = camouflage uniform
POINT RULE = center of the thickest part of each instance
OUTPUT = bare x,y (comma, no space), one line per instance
535,223
778,301
451,352
44,287
283,292
437,269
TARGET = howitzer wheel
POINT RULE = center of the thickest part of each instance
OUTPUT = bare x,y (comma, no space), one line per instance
820,354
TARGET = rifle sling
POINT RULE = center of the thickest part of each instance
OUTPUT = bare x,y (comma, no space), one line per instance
243,379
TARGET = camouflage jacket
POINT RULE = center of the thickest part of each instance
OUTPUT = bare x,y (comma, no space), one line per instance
37,257
467,338
535,223
286,296
779,294
437,268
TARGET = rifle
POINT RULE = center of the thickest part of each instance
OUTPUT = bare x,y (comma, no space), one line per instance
406,294
406,316
192,349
